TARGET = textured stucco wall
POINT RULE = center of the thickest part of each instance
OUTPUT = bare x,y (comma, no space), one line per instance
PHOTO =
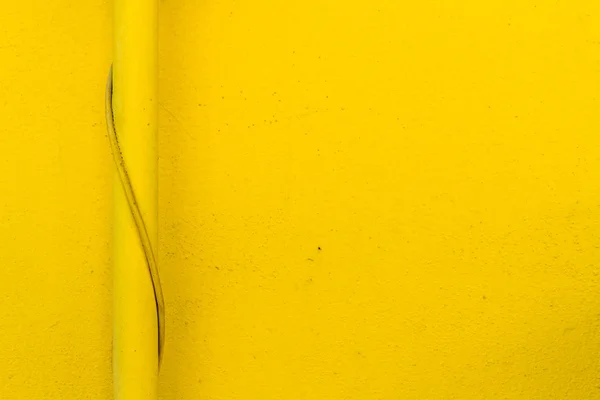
358,200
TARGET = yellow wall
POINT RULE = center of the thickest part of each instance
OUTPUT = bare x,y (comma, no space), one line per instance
358,200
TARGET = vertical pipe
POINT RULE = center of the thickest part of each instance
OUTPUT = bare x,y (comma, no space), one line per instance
134,108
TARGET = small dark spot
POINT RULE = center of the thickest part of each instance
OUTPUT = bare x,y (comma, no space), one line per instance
217,268
319,248
310,259
484,297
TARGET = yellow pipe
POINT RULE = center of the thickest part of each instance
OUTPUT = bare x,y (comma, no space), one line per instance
132,106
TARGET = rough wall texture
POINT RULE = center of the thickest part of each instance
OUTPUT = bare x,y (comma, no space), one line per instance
358,200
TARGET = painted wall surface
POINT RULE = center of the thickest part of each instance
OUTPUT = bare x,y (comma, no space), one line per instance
358,200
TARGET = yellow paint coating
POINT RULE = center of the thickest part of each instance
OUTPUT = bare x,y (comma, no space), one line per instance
443,156
135,115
